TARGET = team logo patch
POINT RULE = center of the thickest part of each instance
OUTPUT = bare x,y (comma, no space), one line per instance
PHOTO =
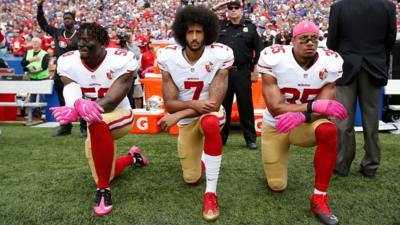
62,44
323,74
109,74
209,67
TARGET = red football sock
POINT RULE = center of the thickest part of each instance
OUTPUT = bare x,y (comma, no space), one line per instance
102,152
121,163
212,136
325,155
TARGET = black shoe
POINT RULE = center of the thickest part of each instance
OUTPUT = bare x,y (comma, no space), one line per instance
252,146
83,133
63,130
103,202
340,174
367,173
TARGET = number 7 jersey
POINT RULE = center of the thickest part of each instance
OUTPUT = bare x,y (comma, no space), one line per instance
298,85
95,83
193,81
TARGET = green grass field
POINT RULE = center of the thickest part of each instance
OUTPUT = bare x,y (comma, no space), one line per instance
46,180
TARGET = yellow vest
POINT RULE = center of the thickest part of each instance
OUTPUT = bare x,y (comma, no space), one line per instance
37,65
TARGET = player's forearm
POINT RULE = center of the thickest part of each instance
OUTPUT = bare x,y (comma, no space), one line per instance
173,106
108,103
186,113
218,88
285,107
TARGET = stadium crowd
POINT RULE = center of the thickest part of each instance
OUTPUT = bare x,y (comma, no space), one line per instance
145,20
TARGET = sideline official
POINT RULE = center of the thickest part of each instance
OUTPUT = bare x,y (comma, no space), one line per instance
241,35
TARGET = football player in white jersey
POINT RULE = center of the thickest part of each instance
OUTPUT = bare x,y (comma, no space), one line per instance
298,88
96,81
195,78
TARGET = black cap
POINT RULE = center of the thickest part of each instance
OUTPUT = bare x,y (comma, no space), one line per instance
232,3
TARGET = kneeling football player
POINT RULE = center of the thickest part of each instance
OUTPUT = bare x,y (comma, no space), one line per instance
299,91
194,82
96,81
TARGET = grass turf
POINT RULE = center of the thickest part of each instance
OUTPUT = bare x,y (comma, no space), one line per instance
45,180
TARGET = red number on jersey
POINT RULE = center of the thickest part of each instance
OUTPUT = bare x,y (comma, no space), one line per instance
100,93
216,45
296,94
198,85
122,52
172,47
68,54
277,48
329,52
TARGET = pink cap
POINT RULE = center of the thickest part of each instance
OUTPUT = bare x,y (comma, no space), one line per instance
305,26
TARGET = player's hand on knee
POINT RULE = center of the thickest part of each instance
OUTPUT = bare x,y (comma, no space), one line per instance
329,108
288,121
204,106
64,114
88,110
168,121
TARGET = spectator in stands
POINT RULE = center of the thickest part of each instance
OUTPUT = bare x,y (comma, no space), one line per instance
65,41
136,91
35,63
267,38
18,45
282,38
363,32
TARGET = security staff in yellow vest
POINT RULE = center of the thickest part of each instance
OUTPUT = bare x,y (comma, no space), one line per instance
36,61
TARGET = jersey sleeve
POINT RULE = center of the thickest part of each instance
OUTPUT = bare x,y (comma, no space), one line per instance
65,65
269,58
224,54
164,54
125,63
334,65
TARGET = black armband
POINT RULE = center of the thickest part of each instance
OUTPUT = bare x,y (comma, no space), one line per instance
309,106
308,116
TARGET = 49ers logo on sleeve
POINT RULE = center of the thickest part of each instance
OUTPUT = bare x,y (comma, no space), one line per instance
209,67
109,74
323,74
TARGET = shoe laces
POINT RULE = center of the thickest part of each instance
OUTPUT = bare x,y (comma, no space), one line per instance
210,201
138,159
321,202
103,193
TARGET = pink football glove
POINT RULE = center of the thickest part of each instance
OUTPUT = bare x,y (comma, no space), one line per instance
288,121
329,108
90,111
64,114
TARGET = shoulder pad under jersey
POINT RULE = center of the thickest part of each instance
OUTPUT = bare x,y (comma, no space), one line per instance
334,62
272,55
221,51
163,54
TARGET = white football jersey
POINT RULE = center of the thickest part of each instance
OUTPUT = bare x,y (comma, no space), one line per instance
95,83
296,84
193,81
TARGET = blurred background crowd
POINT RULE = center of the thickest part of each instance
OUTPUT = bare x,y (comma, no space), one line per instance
143,20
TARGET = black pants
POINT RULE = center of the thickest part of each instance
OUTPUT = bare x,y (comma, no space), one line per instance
59,87
368,94
239,83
